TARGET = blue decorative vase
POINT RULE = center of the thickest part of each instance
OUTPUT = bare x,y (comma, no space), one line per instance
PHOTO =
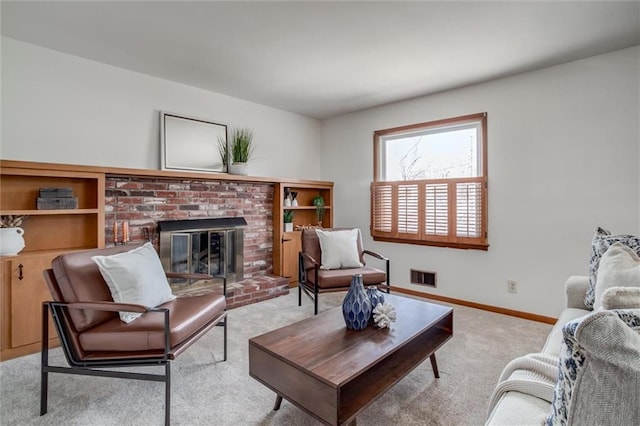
356,306
375,296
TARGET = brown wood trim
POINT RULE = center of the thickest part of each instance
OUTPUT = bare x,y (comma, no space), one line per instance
461,119
10,353
121,171
458,245
481,306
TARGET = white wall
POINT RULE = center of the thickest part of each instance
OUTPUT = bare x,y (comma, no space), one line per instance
563,146
65,109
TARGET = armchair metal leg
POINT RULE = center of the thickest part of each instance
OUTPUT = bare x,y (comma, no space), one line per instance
315,304
167,400
299,294
226,319
44,363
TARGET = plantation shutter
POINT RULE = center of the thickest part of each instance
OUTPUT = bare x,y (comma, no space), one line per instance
469,210
381,209
434,211
407,222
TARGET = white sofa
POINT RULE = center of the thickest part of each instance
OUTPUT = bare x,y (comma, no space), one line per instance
520,406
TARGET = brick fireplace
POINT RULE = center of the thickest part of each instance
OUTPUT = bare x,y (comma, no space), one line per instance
141,202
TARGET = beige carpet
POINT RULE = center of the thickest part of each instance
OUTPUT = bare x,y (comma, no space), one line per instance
209,392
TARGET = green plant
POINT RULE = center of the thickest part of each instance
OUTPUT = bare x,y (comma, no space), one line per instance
288,216
241,145
318,201
223,149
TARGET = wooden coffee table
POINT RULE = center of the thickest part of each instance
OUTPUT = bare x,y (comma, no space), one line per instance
334,373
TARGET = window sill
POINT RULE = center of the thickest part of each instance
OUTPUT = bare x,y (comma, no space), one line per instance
465,246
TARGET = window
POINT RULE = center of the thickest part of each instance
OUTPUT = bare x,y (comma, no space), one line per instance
430,183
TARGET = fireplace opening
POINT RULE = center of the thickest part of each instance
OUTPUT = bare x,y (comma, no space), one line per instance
213,246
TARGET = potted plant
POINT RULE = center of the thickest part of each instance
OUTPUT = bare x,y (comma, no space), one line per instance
240,150
11,240
288,220
318,201
223,150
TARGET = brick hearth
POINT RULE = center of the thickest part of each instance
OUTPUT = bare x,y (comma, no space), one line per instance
250,290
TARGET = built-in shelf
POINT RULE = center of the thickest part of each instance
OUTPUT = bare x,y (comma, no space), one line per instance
303,207
46,212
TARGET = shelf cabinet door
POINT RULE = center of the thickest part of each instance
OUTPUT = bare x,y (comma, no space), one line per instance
291,246
27,295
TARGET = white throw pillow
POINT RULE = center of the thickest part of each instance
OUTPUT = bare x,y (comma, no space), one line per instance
619,267
621,298
339,249
135,277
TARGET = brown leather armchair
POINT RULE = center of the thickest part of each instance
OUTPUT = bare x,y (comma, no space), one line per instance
93,336
312,280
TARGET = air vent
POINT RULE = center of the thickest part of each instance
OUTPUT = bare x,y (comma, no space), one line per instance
427,278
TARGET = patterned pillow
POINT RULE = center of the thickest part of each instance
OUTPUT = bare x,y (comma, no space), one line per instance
571,368
600,243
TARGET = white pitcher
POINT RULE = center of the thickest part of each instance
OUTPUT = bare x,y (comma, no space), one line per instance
11,241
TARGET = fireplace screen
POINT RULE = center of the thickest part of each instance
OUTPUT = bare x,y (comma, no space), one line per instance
206,246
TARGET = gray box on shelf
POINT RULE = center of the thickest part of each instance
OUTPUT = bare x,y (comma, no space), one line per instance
44,203
56,199
56,192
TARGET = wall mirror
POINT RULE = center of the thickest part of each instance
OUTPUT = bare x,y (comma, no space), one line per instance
188,143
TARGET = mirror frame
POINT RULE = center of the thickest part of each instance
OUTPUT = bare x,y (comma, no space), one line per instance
190,143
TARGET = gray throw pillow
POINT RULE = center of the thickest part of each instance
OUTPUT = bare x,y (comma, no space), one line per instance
600,243
598,371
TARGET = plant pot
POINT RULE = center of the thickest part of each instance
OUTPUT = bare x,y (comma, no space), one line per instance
288,227
241,169
11,241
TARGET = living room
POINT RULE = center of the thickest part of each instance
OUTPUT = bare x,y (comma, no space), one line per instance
563,129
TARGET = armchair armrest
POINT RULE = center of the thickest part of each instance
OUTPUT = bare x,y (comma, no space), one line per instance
374,254
302,271
310,259
576,289
106,306
386,263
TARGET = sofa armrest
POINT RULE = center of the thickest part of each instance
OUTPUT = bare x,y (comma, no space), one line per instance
576,289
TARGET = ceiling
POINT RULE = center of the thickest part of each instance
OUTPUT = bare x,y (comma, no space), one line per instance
320,58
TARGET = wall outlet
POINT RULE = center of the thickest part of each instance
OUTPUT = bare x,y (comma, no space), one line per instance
512,286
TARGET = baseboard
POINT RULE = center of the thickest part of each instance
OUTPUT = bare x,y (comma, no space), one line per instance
496,309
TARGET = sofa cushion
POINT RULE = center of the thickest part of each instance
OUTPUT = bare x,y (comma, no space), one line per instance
619,267
146,333
600,243
342,278
517,408
136,277
554,339
599,370
339,249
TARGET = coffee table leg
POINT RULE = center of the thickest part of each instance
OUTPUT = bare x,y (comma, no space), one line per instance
276,406
434,366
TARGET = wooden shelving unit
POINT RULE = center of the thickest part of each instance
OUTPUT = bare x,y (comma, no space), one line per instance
287,245
47,234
